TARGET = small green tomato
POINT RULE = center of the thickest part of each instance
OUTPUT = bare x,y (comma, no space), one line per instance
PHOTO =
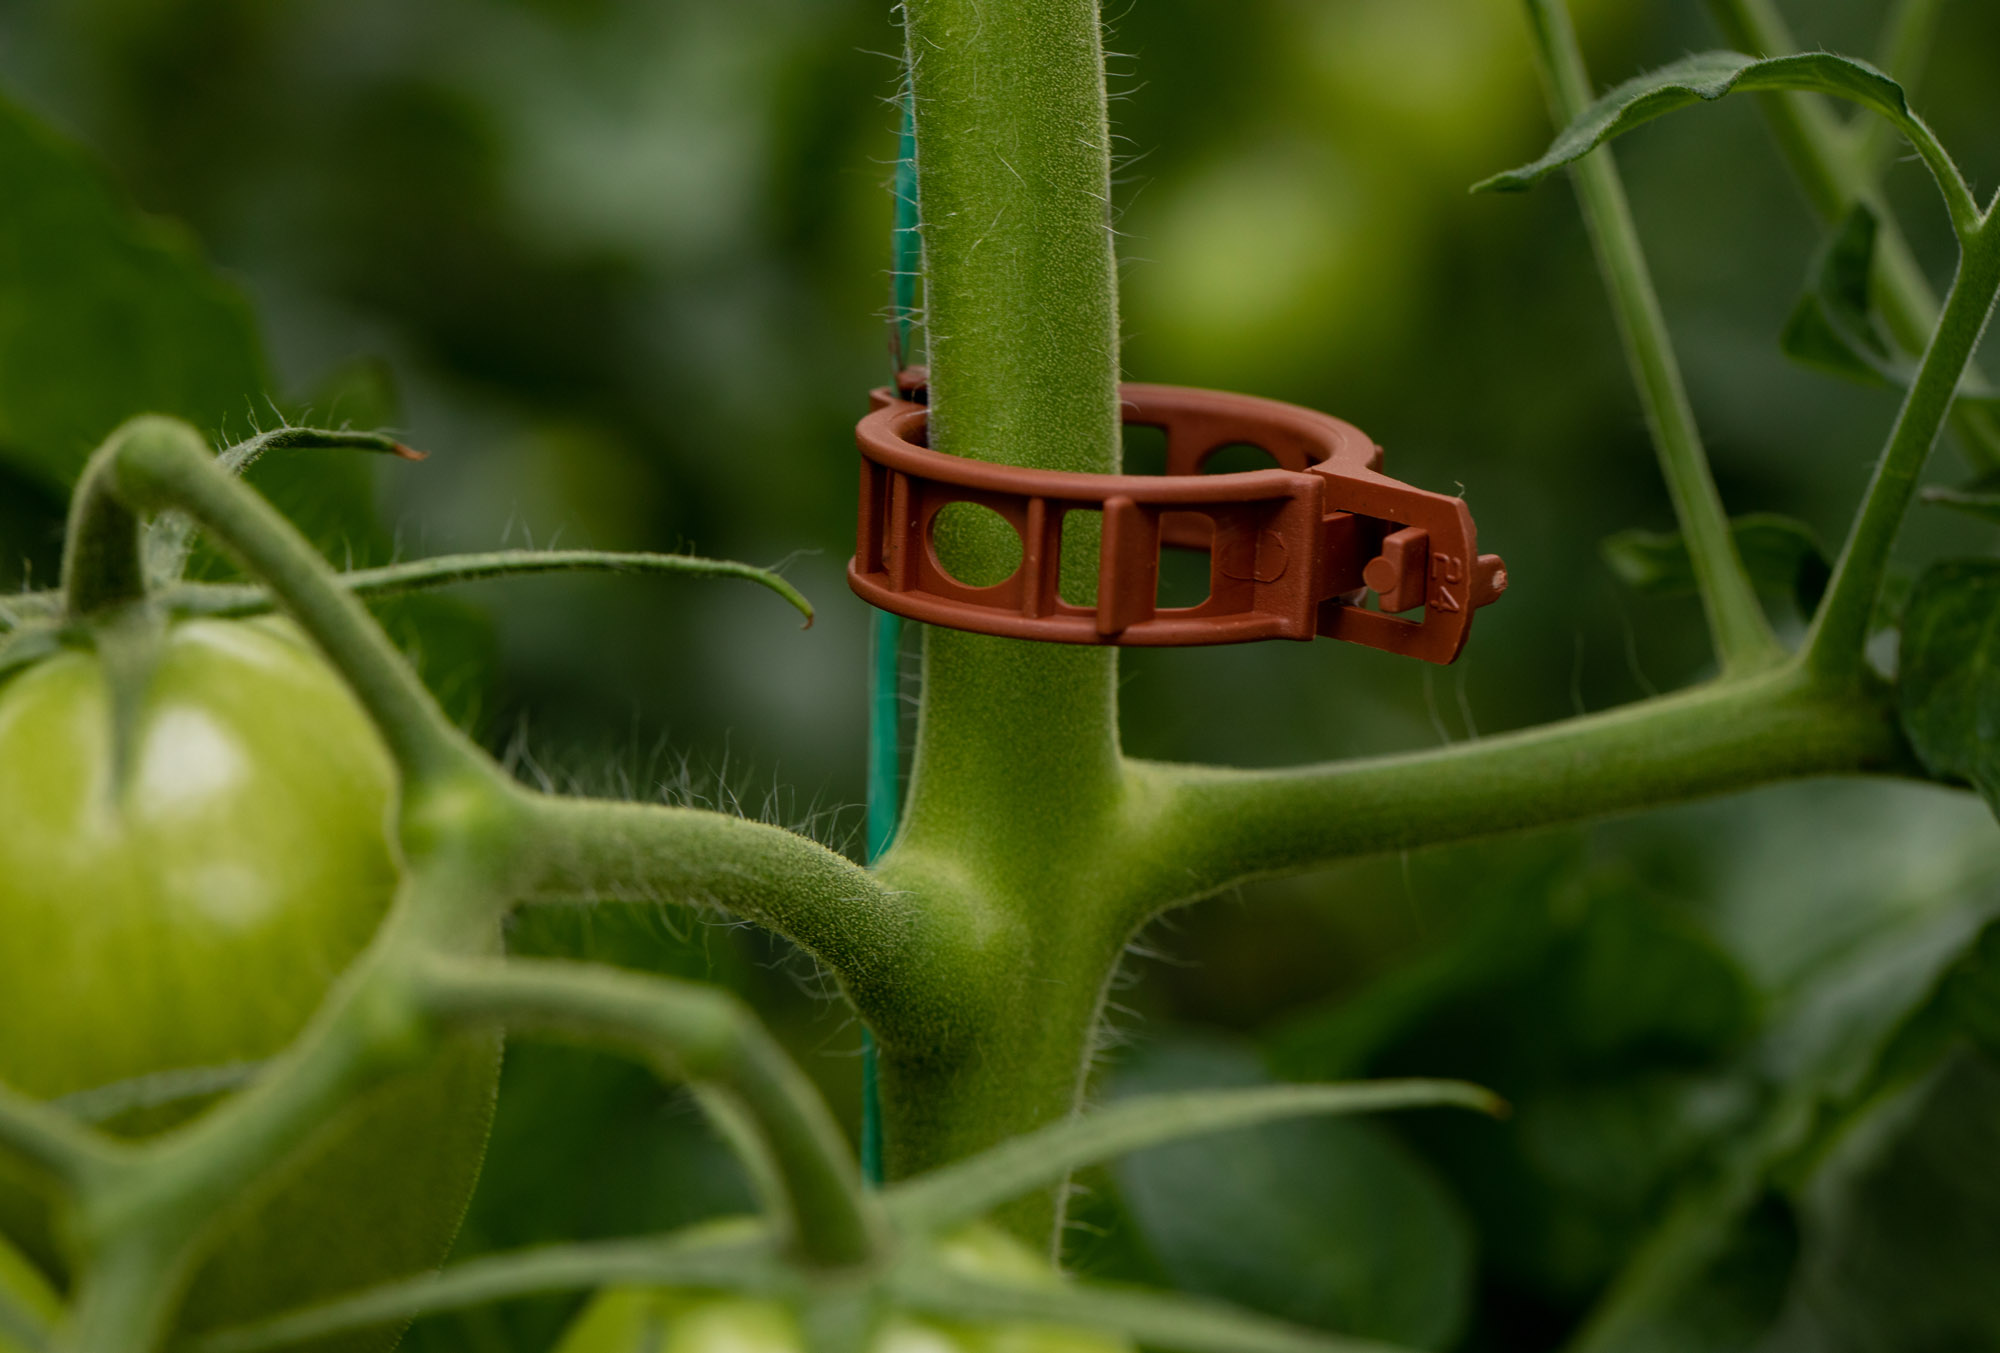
655,1320
192,912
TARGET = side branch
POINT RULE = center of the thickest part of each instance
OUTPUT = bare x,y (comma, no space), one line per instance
1221,827
687,1032
595,849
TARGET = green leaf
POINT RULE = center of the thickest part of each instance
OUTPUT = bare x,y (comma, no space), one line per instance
1833,326
1710,1278
1783,555
1642,979
449,570
104,313
1154,1319
1506,936
1972,991
1331,1224
1901,1225
1850,1026
1707,76
969,1189
1949,689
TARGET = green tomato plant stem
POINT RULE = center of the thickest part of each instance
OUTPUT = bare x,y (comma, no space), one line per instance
1839,633
1016,763
124,1299
980,949
1737,624
137,1215
742,1256
1834,173
693,1033
591,850
1214,827
176,470
1013,175
103,563
957,1194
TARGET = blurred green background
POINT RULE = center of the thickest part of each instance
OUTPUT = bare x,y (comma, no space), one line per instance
620,266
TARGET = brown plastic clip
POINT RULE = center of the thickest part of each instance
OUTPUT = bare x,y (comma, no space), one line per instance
1294,551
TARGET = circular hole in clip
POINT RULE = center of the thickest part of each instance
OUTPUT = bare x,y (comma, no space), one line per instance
974,545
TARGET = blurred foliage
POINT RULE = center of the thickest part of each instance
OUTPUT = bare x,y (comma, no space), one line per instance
1783,557
621,267
1331,1223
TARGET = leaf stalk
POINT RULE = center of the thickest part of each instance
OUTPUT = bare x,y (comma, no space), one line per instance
1738,627
1837,641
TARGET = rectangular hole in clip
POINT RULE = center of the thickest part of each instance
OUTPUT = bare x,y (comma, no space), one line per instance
1184,579
1076,576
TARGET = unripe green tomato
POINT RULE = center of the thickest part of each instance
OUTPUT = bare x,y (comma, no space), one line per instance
656,1320
193,912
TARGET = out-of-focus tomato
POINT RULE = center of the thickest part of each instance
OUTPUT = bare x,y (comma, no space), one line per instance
653,1320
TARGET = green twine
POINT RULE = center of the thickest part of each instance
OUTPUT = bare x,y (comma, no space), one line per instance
885,713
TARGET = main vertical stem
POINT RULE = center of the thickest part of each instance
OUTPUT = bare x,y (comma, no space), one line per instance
1016,771
1013,173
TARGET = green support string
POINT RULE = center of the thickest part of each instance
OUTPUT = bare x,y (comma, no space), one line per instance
885,762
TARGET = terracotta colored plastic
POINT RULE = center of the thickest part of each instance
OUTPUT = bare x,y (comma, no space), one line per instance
1295,551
